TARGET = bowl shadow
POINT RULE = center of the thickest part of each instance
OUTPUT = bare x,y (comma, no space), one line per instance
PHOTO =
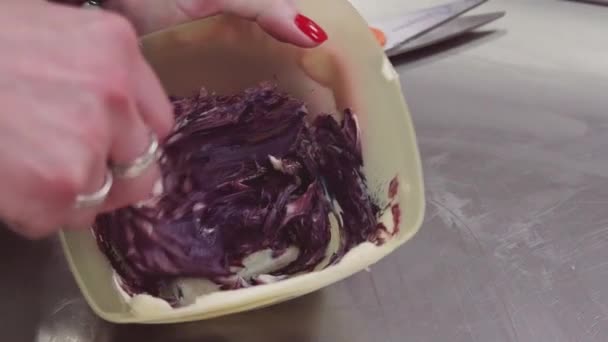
294,320
447,48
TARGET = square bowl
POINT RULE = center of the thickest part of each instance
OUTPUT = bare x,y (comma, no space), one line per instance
225,54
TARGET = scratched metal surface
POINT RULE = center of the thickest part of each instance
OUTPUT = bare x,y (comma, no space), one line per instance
513,129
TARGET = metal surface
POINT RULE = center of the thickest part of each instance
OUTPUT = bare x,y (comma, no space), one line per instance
451,29
410,25
599,2
513,129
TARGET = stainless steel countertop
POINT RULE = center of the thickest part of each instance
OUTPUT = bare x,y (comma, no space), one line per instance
513,131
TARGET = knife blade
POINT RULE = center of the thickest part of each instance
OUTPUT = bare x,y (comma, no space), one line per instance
446,31
401,29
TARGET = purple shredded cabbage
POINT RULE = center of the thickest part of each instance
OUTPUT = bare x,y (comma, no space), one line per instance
241,174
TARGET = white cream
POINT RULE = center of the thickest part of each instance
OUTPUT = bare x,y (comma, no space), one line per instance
388,71
262,262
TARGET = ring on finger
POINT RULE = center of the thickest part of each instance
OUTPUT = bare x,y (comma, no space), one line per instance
98,197
140,164
93,3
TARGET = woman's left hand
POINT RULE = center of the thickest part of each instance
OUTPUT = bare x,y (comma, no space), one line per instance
280,18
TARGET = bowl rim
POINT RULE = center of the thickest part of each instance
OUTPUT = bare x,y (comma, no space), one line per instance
416,179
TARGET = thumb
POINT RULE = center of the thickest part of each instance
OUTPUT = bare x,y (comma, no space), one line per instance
280,18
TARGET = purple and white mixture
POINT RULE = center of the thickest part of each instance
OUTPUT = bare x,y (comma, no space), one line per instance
243,174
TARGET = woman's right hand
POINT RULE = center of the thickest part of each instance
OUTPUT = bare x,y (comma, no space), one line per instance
75,93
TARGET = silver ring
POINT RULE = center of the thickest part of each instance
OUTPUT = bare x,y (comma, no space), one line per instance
92,4
98,197
141,163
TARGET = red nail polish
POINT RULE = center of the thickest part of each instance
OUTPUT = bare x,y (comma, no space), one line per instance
311,29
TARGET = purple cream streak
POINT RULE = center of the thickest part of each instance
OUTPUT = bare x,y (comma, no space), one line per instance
241,174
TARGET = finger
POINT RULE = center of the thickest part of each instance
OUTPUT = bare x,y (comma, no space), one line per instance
82,218
149,113
280,18
128,191
153,103
80,155
131,138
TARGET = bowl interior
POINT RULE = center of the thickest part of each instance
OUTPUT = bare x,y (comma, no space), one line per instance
225,55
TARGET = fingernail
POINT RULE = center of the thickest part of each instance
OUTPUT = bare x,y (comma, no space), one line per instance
311,29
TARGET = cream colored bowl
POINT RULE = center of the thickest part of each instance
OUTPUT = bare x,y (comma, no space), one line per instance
227,54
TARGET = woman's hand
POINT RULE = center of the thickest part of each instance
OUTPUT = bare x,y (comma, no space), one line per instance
280,18
75,93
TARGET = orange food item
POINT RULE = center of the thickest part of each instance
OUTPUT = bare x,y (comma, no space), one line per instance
380,36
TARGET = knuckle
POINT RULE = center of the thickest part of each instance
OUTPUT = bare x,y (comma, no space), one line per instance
65,181
112,86
90,134
118,30
111,95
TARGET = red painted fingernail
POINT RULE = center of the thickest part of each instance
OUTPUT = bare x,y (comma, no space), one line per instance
311,29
